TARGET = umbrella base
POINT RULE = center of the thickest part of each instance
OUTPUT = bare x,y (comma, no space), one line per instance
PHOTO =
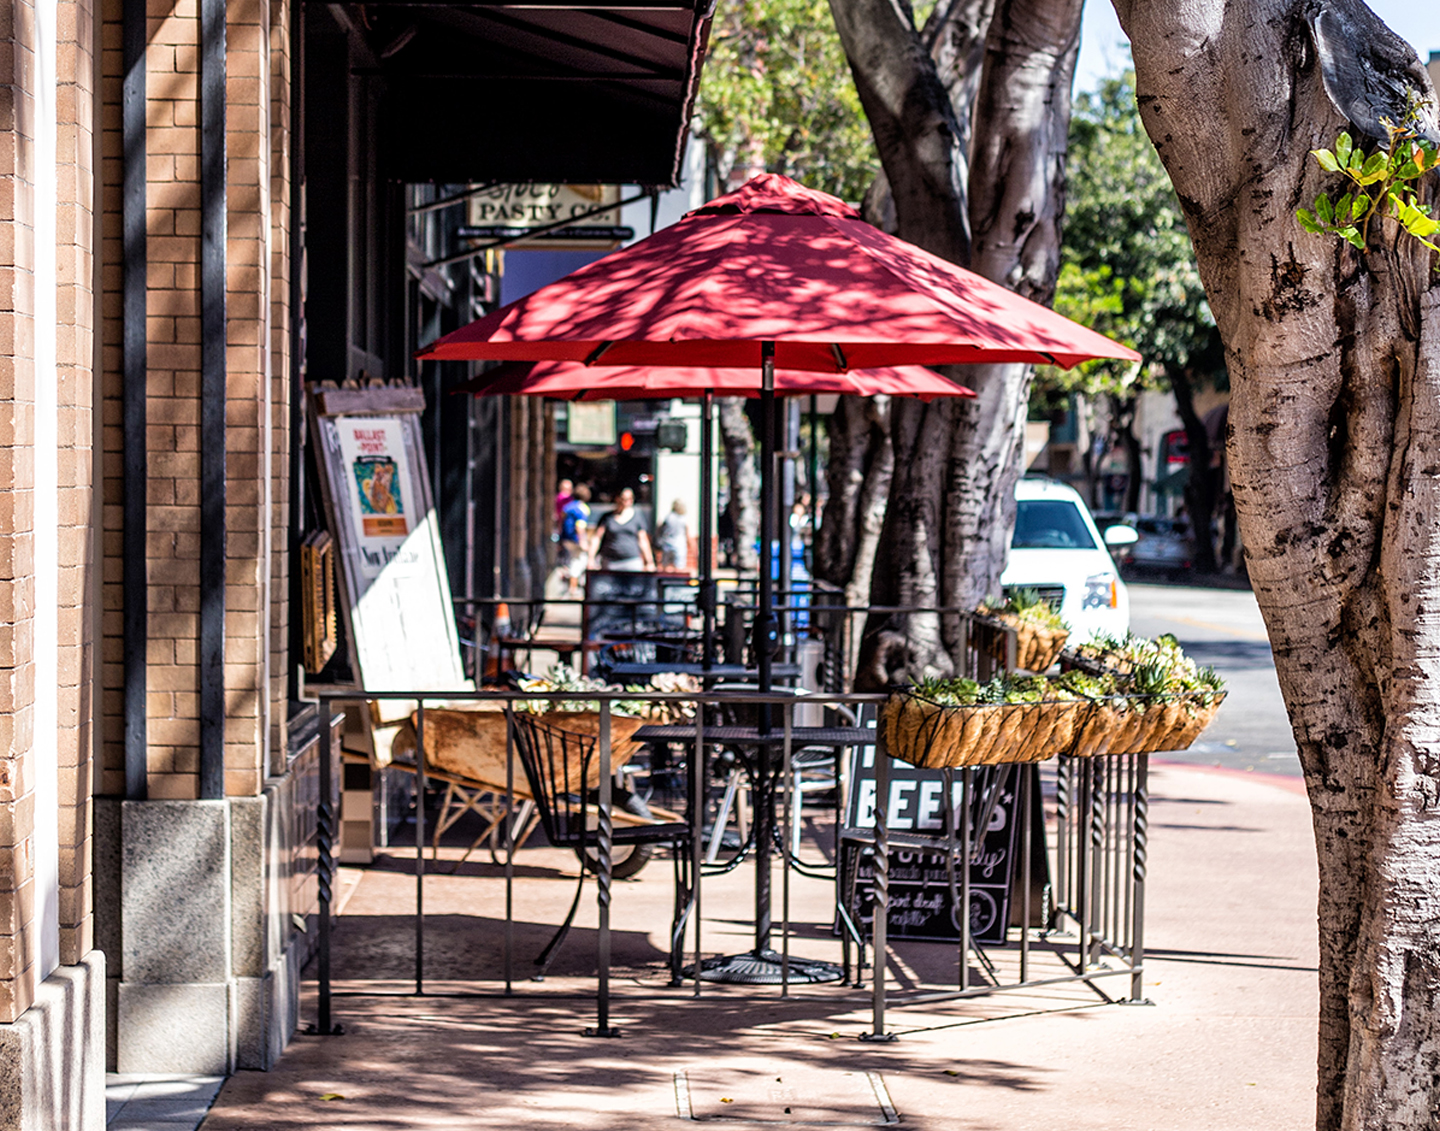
765,968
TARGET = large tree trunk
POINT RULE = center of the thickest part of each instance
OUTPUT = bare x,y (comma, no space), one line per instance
1202,485
858,478
1122,415
954,35
915,128
1334,418
1022,129
951,502
739,442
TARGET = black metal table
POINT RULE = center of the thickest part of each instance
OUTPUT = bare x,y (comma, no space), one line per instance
714,671
762,965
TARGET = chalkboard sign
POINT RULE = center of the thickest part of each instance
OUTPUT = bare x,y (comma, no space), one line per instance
921,906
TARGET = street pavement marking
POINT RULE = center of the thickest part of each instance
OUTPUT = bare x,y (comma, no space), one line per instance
1243,633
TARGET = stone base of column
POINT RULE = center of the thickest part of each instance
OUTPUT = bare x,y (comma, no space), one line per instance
52,1059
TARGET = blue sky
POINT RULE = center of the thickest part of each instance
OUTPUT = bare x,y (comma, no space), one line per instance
1102,42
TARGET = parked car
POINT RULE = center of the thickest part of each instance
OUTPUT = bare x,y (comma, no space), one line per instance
1163,544
1057,551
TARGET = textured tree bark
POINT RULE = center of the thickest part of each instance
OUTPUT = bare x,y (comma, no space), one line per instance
954,35
739,444
870,509
858,478
951,502
912,120
1017,200
849,436
1334,358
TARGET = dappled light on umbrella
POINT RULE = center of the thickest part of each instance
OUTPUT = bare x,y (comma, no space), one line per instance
774,262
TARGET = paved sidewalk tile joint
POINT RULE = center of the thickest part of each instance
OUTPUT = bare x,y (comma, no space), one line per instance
158,1103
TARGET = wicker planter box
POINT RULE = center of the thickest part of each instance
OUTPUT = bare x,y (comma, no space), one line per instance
934,735
1036,647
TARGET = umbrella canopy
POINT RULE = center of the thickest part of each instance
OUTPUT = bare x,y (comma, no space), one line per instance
567,380
774,262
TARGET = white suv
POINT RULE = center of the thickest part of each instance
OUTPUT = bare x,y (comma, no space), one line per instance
1056,550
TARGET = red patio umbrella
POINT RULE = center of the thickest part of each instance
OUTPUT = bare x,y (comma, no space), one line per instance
774,262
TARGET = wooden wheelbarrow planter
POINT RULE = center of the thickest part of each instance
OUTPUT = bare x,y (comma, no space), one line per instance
466,750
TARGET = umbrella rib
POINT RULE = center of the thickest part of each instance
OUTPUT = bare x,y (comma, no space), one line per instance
839,354
596,354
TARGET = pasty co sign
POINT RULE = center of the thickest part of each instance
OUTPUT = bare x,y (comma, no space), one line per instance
513,212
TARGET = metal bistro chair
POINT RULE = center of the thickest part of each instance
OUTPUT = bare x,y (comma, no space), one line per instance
563,768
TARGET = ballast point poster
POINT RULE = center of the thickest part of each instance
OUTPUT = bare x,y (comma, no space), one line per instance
377,484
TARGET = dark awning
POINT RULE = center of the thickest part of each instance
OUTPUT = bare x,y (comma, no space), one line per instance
496,90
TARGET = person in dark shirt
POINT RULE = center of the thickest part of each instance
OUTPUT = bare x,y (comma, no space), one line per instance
620,541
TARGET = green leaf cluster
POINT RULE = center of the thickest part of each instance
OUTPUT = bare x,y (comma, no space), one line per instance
776,91
562,678
1127,268
1379,185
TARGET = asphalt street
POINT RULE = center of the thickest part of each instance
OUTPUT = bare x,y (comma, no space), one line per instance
1223,628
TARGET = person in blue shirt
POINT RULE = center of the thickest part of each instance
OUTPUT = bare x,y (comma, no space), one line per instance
574,529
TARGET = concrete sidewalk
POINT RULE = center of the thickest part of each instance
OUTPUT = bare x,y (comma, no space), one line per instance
1228,1044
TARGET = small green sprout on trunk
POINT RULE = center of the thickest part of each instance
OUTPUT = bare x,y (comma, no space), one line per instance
1382,183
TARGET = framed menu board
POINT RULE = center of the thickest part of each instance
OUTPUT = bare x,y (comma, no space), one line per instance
391,567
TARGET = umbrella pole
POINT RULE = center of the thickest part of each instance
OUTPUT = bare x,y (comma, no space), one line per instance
765,635
707,491
762,965
814,484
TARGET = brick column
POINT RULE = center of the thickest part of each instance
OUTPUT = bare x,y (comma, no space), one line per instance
19,931
78,551
231,1000
281,377
248,486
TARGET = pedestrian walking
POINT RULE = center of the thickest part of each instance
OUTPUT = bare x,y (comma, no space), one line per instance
673,538
620,541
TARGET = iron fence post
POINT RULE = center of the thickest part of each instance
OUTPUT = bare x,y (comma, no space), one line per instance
880,906
420,847
509,847
1142,822
604,841
325,866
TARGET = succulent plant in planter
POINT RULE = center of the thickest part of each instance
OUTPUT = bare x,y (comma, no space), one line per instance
1040,631
1142,696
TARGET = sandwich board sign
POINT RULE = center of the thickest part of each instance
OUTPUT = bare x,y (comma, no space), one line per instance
921,904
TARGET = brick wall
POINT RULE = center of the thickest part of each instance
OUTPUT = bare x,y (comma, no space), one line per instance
281,377
111,722
247,690
257,391
22,751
